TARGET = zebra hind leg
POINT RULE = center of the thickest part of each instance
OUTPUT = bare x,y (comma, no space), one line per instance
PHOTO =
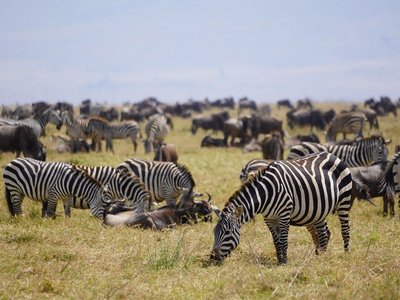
345,228
324,234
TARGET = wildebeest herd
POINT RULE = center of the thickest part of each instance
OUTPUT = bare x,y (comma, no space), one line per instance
314,180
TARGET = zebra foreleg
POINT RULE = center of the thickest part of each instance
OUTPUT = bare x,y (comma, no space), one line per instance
51,207
279,231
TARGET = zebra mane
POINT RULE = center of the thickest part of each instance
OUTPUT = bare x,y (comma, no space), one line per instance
388,178
186,172
85,173
245,184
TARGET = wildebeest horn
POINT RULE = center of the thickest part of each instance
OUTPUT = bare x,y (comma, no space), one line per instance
209,197
195,194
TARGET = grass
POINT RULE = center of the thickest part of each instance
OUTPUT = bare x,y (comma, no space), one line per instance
77,257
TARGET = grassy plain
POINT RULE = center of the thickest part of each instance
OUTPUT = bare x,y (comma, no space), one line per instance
78,258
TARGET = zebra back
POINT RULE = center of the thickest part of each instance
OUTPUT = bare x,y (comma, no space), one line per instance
164,180
156,130
304,149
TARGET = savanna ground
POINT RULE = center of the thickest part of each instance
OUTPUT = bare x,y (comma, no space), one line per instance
78,258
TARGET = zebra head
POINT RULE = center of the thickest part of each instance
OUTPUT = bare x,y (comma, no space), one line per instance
54,118
226,233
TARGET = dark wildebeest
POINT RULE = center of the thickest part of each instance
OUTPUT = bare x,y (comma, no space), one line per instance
21,139
215,122
166,152
313,118
208,141
284,103
272,146
162,218
255,125
245,102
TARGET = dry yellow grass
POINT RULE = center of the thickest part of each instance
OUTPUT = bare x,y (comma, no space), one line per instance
79,258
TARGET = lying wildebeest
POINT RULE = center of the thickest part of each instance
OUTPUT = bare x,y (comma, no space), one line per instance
208,141
161,218
166,152
21,139
272,146
63,143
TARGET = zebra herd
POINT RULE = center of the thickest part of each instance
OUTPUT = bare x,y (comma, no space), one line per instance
303,190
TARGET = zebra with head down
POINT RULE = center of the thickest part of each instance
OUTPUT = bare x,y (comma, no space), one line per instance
300,192
156,130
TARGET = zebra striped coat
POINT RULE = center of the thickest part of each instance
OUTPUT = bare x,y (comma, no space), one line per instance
120,185
39,123
365,152
300,192
156,130
50,182
164,180
121,131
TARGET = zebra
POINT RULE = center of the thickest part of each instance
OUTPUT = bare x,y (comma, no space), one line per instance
38,123
363,153
352,122
121,131
50,182
164,180
299,192
156,130
121,185
76,128
251,168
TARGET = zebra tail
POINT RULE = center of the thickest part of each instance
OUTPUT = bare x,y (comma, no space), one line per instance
9,202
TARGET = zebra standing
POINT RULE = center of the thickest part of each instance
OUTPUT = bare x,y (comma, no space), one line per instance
299,192
39,123
363,153
164,180
251,168
351,122
121,131
50,182
121,185
76,128
156,130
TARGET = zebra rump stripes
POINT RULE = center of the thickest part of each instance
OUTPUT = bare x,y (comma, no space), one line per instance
50,182
299,192
164,180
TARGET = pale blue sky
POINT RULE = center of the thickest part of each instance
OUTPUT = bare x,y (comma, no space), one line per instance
175,50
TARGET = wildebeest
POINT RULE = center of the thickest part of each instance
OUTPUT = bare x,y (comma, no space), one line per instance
253,146
63,143
247,103
214,122
161,218
21,139
313,118
255,125
208,141
382,107
284,103
166,152
272,146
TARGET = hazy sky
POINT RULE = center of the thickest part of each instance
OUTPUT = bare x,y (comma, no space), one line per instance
175,50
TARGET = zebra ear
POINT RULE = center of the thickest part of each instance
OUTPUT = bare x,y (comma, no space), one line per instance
238,212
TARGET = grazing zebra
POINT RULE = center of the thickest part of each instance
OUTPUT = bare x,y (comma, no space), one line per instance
300,192
39,123
50,182
352,122
120,185
164,180
251,168
96,126
156,130
121,131
363,153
